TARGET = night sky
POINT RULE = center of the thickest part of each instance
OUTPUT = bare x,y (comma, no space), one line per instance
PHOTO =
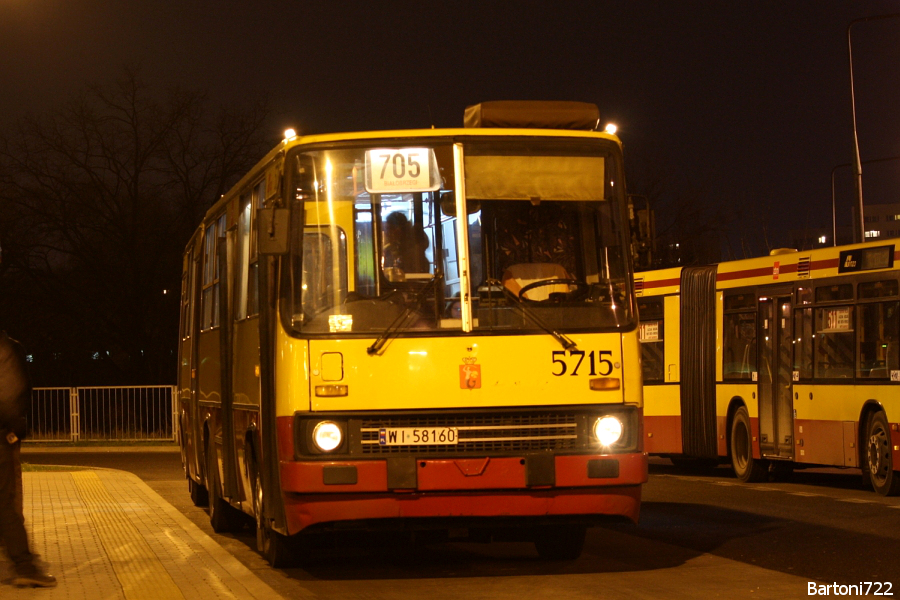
747,103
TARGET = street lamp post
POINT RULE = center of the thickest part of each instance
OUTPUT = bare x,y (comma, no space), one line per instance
857,164
833,210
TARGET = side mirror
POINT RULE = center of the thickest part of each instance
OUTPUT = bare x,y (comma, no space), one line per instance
273,230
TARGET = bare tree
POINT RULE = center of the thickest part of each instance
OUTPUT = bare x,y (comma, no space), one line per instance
690,223
106,192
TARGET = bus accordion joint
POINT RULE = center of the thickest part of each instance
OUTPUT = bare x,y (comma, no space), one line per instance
604,384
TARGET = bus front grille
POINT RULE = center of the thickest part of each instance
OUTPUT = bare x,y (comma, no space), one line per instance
479,434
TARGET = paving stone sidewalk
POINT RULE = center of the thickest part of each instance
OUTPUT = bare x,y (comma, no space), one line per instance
106,535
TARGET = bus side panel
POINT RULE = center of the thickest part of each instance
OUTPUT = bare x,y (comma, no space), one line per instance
210,383
291,388
246,396
672,325
662,419
827,414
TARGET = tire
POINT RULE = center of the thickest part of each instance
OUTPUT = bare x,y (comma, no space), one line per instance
880,456
222,516
277,549
199,495
746,468
560,543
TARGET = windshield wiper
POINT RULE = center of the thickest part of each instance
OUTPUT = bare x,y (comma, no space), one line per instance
526,311
402,319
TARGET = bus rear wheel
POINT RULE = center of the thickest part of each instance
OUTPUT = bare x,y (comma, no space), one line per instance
746,468
275,548
880,457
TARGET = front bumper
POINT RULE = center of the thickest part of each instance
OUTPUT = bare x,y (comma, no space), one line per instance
542,485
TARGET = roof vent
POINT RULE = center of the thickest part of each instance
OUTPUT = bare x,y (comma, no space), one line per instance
803,267
533,114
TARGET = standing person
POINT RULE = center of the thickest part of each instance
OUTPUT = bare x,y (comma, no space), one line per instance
15,393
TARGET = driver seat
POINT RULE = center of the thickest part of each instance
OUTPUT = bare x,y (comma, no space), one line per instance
519,275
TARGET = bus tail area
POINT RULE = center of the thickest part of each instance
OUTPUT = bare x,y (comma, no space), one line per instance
777,362
418,330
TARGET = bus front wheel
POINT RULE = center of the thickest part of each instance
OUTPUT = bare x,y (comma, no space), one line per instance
746,468
222,516
880,457
274,547
199,495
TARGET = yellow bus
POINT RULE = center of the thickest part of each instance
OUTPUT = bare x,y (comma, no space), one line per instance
427,329
791,359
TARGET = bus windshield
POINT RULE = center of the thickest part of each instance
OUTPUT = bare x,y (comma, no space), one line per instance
376,237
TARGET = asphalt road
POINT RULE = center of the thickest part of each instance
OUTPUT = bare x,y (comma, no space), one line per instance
702,534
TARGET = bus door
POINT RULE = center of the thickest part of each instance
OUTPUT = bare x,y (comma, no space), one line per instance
187,377
775,377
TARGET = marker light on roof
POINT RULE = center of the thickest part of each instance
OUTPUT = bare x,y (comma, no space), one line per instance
611,129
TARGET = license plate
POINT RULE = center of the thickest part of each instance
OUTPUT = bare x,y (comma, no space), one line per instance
417,436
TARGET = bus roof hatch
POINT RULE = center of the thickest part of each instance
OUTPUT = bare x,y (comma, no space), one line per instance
533,114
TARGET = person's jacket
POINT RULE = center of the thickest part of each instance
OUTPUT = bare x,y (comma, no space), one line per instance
15,389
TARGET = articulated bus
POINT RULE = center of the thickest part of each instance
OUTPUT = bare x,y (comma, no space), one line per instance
787,360
418,330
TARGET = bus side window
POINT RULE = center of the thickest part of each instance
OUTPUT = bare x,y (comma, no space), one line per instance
878,340
210,295
834,345
739,345
803,343
652,342
187,296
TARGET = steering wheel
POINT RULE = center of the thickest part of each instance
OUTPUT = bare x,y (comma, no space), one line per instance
543,282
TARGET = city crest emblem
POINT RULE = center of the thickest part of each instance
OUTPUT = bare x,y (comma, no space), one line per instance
469,374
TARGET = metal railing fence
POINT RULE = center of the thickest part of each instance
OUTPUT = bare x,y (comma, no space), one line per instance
122,414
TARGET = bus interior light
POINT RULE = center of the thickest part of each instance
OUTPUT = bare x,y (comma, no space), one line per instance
327,436
608,430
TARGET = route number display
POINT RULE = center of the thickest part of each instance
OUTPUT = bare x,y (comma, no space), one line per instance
401,170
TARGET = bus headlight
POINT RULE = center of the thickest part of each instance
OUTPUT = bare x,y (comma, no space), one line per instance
608,430
327,436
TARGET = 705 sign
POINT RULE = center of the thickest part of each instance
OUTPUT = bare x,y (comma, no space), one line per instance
399,164
598,363
401,170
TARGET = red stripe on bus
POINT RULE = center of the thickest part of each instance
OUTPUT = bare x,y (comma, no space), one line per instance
660,283
791,268
769,271
828,263
760,272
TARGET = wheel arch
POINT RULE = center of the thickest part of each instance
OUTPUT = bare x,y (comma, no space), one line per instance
734,404
869,408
